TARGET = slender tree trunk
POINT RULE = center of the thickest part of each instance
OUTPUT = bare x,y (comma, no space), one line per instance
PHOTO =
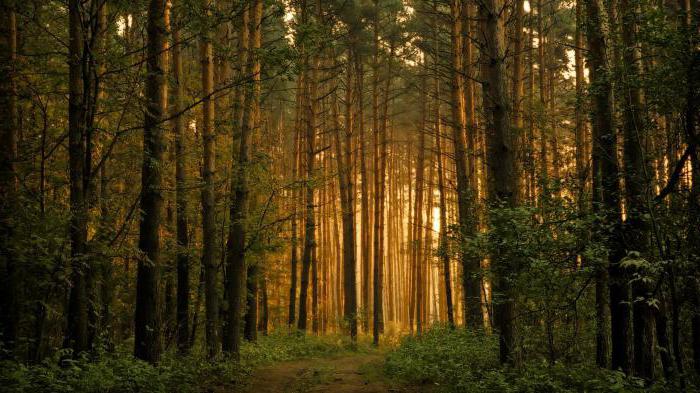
77,334
443,247
473,317
295,239
211,296
365,245
182,223
517,89
253,272
147,340
417,244
345,164
542,68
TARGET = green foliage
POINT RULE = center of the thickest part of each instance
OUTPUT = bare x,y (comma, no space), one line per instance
120,372
464,361
457,358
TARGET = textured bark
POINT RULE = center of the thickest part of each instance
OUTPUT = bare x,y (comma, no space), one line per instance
501,177
147,345
238,205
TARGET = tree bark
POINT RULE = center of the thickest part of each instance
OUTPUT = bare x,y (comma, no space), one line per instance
147,345
77,334
473,317
637,193
182,223
238,205
501,144
9,278
608,188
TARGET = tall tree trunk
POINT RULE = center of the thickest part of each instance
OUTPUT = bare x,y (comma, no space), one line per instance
607,189
238,205
473,317
9,278
253,273
501,144
77,334
365,245
147,340
295,239
542,68
601,282
309,75
345,164
637,192
416,243
690,20
211,297
379,134
182,224
443,246
517,89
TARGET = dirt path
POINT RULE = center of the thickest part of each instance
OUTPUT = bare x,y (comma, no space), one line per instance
343,374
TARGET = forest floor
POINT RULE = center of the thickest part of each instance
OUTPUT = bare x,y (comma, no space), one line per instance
346,373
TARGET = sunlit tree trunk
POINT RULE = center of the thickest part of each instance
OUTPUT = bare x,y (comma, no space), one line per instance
542,68
473,317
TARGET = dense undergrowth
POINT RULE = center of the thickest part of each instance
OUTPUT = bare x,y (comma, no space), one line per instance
119,372
462,361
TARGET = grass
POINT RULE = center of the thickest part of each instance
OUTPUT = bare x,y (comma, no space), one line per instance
119,372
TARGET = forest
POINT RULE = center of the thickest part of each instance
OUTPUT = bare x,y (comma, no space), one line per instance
349,196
